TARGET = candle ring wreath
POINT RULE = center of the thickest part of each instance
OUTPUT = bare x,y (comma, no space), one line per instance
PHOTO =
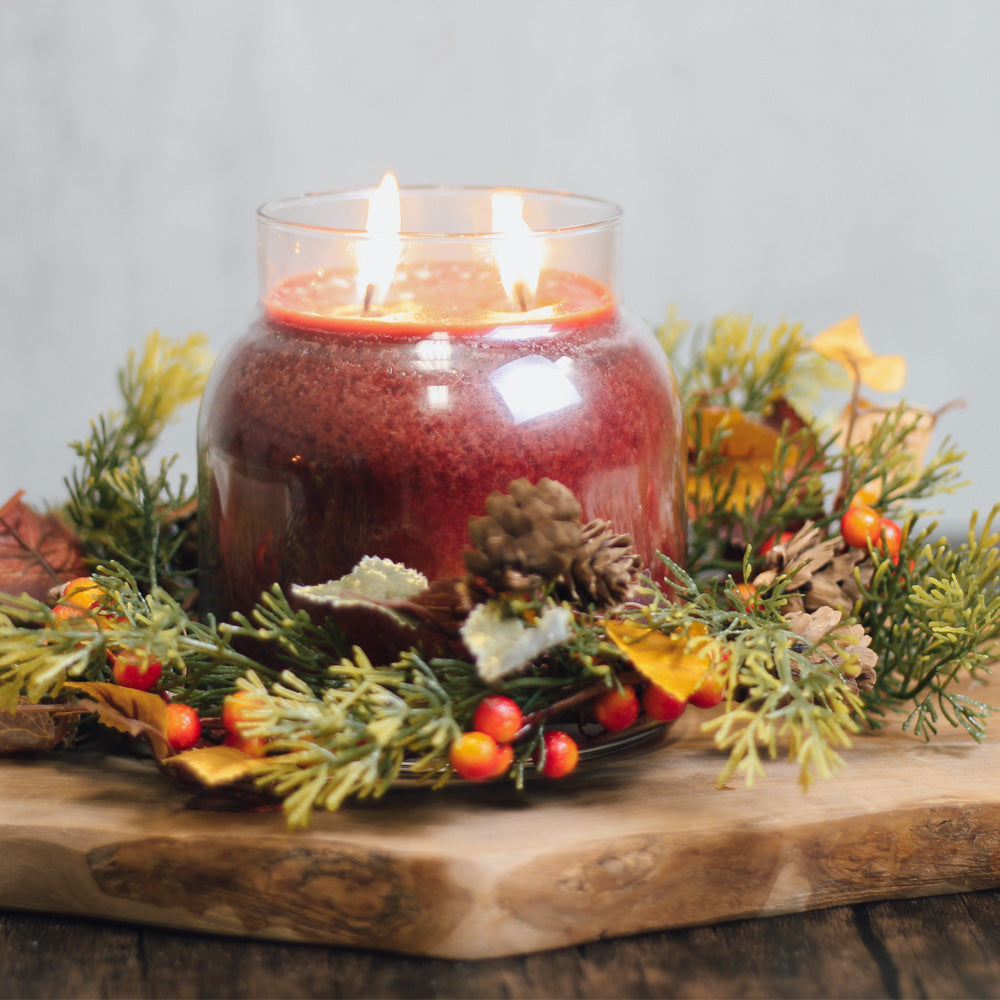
816,600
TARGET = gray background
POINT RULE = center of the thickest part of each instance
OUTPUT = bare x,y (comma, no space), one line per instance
796,160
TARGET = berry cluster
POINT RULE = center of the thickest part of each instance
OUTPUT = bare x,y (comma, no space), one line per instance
487,751
84,601
863,527
618,708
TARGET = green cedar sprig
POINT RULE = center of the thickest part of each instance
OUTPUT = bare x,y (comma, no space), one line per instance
885,459
725,523
746,365
936,627
119,509
354,739
781,691
933,615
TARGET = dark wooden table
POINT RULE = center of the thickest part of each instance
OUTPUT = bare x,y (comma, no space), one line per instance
946,946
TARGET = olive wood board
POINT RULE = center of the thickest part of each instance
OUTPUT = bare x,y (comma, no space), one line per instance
638,841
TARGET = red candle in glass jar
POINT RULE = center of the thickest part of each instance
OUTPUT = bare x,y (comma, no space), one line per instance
395,380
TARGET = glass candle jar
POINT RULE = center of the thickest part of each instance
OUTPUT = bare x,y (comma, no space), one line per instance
393,379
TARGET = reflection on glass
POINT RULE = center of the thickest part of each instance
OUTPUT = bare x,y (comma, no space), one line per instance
520,332
437,397
534,386
434,352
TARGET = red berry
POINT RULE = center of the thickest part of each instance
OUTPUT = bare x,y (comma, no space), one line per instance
662,705
498,716
475,756
617,709
560,754
183,726
890,539
770,542
860,527
708,693
130,670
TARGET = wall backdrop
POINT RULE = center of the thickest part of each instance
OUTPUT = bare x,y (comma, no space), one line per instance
796,160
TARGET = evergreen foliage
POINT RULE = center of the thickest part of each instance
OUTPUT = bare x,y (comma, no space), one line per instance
341,726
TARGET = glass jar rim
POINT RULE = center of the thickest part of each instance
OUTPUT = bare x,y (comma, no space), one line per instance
607,214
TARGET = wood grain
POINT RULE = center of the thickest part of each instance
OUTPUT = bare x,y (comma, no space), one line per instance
942,946
627,845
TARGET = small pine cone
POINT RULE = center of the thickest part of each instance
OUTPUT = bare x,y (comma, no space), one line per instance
605,570
845,645
527,538
824,571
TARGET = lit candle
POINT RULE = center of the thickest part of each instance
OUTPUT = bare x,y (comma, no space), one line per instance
399,374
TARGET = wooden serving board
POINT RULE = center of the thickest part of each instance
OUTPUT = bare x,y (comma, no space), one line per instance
631,843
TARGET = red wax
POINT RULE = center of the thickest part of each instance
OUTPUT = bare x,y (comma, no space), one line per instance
326,437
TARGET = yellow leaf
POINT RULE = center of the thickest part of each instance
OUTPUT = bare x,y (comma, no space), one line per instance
746,449
668,661
214,766
845,343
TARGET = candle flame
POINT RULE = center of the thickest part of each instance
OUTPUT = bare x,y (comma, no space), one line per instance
519,251
378,254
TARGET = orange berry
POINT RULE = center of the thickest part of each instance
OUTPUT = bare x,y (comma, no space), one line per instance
252,746
238,709
746,592
83,592
79,596
475,756
505,758
867,496
72,612
860,527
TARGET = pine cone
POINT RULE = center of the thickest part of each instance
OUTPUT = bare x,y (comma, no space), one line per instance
528,538
605,570
824,576
845,644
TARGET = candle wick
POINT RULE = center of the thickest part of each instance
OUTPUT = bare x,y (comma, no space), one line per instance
522,299
369,295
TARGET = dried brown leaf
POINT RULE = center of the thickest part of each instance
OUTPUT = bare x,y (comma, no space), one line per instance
917,423
37,551
31,728
137,713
